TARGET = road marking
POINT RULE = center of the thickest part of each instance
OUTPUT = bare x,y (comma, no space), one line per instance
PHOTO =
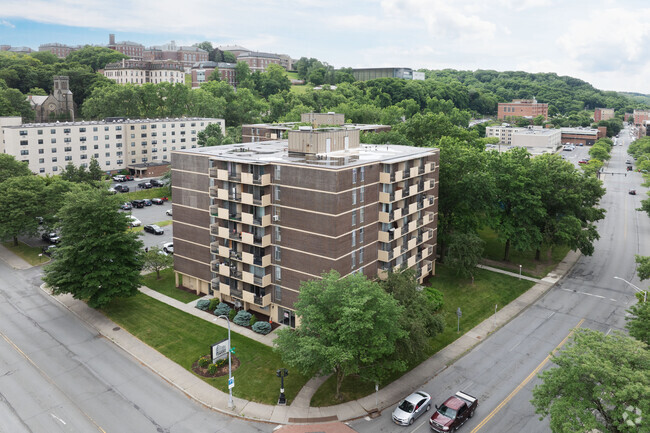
588,294
49,379
526,380
58,419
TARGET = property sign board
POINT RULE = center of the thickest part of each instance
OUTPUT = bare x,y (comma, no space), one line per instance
219,350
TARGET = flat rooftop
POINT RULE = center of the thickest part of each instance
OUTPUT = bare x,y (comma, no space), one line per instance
108,122
276,152
287,126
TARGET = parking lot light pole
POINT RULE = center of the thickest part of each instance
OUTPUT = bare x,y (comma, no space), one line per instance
230,403
645,292
282,373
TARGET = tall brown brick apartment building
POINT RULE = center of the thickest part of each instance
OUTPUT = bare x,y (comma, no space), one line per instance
253,220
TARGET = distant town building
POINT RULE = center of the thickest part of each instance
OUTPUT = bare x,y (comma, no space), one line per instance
364,74
58,105
418,76
201,72
116,143
258,61
603,114
140,71
132,49
253,133
188,56
17,50
236,50
59,50
286,61
528,108
535,138
640,116
585,136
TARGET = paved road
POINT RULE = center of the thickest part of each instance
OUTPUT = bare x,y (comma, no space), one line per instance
503,368
56,375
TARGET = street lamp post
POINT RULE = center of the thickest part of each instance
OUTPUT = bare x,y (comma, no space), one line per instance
230,403
645,292
282,373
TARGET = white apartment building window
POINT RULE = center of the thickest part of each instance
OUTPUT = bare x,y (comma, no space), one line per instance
41,170
354,175
353,259
354,218
53,140
277,193
278,235
41,160
68,157
41,151
361,212
362,193
354,196
67,149
277,172
108,163
54,159
95,146
55,168
361,256
363,178
361,235
354,238
54,150
24,152
278,273
278,254
84,156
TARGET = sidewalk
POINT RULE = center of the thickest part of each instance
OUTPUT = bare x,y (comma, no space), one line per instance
299,411
13,260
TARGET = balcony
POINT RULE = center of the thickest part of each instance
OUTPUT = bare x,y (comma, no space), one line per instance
246,198
263,301
234,176
412,242
234,273
222,232
234,255
251,259
411,261
429,167
386,177
256,179
247,218
215,284
222,194
214,248
399,175
214,210
385,236
223,251
214,171
413,189
413,207
235,235
385,217
224,289
214,191
224,270
234,216
250,239
265,200
236,293
384,256
234,197
414,171
428,217
421,170
214,265
397,214
430,200
412,226
385,197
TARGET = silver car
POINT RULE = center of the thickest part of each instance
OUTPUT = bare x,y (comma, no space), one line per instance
409,409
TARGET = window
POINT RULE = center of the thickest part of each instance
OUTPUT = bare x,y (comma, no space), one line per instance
277,193
54,150
41,151
52,131
40,132
361,235
278,293
354,238
54,159
361,212
354,175
278,236
362,193
353,259
361,256
41,170
66,130
278,273
278,254
108,163
24,152
40,141
105,128
67,149
82,129
108,154
354,196
23,142
41,160
68,157
363,178
95,137
277,172
94,129
132,135
55,168
53,140
354,218
84,156
82,147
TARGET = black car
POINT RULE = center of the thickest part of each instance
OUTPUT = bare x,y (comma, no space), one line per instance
50,237
145,185
157,201
138,203
156,182
153,228
121,188
147,202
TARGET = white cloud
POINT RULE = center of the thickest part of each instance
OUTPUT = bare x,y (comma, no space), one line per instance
6,23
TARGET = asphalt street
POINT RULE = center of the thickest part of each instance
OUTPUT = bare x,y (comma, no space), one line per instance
502,370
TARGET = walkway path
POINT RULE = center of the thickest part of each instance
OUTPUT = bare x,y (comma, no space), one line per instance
299,411
13,260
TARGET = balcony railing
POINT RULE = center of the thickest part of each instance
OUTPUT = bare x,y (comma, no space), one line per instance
236,293
234,235
236,177
235,255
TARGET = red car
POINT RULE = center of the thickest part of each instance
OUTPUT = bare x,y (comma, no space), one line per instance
583,161
453,413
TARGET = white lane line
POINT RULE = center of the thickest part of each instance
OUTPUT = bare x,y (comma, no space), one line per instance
584,293
58,419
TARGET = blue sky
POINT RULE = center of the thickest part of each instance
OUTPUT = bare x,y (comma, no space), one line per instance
604,42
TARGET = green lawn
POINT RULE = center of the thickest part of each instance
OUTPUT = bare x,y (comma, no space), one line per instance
534,268
145,193
299,88
293,75
166,286
477,304
31,255
184,338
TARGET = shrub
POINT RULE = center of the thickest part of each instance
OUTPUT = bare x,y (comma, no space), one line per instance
222,309
253,320
203,304
203,362
213,304
231,314
212,368
262,327
435,298
242,318
221,362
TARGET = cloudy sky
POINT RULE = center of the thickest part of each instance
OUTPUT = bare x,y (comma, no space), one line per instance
604,42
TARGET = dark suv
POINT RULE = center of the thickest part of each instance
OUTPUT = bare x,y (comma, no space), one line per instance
145,185
137,203
121,188
156,182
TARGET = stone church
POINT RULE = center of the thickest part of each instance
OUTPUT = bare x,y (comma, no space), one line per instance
56,106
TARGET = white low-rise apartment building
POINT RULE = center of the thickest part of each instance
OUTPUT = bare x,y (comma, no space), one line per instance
535,138
115,143
139,72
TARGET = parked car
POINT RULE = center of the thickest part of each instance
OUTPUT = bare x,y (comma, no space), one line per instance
628,162
133,221
50,237
157,201
119,178
48,250
138,203
453,412
168,212
145,185
632,192
128,177
147,202
126,206
583,161
168,247
121,188
153,228
409,409
112,190
630,168
156,182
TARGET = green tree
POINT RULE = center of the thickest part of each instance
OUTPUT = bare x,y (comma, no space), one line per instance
638,321
273,81
156,260
95,172
20,205
345,323
539,120
243,76
518,203
419,318
37,91
522,122
592,168
643,266
11,167
465,252
317,76
95,57
98,259
599,152
596,379
210,136
229,57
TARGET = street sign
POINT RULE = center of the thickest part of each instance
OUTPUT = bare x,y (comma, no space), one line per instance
231,383
459,313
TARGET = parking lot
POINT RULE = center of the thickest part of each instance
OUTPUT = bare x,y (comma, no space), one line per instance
152,215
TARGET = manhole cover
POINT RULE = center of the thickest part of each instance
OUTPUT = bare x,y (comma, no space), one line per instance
117,328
